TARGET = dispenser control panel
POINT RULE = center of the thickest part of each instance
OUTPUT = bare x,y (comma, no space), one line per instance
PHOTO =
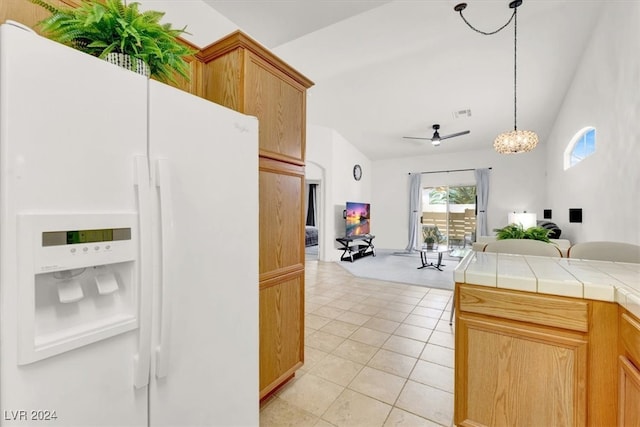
62,242
72,237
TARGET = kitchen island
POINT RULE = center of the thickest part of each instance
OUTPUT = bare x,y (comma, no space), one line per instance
546,341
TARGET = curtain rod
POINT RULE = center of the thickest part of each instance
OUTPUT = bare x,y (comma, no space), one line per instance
453,170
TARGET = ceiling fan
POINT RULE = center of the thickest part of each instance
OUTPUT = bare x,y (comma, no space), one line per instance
436,138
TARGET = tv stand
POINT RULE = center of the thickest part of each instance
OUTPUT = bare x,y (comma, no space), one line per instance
355,247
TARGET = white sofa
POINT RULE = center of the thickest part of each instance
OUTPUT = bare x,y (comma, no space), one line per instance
481,241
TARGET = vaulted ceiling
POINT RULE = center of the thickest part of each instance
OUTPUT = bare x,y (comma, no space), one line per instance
388,69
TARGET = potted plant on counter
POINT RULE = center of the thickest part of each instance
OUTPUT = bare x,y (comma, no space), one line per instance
120,33
517,231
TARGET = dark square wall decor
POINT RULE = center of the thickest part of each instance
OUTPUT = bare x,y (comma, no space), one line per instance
575,215
547,214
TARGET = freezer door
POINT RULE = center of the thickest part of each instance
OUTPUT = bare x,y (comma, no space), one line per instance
204,160
70,126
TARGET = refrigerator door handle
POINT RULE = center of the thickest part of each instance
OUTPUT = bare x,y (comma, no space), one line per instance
142,359
163,182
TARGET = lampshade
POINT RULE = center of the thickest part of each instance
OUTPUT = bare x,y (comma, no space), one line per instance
515,141
526,219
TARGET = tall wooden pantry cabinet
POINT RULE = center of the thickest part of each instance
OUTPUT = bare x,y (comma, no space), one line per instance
241,74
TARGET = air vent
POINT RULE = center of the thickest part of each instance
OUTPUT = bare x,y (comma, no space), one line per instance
462,113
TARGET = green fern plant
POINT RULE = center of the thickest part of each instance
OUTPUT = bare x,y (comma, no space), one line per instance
102,27
517,231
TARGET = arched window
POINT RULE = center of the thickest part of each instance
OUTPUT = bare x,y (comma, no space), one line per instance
582,145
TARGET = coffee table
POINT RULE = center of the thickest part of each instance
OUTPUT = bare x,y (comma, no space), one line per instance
437,250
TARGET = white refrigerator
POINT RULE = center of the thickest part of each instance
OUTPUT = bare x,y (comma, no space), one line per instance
128,247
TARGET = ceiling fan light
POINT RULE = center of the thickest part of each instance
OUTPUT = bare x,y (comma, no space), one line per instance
435,142
515,141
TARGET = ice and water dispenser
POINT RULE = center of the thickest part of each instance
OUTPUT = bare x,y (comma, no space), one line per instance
77,277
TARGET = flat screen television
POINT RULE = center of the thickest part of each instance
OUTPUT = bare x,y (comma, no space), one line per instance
358,219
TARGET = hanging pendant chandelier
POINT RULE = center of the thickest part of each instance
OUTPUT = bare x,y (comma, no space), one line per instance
515,141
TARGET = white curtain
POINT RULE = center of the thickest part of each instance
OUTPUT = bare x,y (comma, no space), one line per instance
415,184
482,193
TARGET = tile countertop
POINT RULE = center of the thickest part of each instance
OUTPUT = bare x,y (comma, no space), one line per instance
570,277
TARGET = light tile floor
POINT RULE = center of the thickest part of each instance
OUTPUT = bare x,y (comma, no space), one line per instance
376,354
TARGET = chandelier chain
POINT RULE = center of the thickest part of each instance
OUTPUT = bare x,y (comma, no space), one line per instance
515,69
490,33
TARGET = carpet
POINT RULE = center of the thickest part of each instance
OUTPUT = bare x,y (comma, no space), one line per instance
401,267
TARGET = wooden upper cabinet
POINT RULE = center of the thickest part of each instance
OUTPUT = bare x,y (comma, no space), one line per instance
243,75
27,13
281,104
193,84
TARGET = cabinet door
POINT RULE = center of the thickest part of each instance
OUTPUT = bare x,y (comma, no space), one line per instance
281,218
629,394
279,104
281,330
511,373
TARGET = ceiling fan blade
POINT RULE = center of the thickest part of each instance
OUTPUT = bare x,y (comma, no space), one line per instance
455,134
415,137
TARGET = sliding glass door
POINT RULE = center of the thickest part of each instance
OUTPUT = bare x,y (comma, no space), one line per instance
449,212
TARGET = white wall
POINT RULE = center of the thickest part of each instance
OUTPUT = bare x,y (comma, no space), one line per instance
329,151
604,94
313,172
204,24
517,182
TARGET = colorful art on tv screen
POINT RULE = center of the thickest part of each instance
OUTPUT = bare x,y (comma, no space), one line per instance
358,218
